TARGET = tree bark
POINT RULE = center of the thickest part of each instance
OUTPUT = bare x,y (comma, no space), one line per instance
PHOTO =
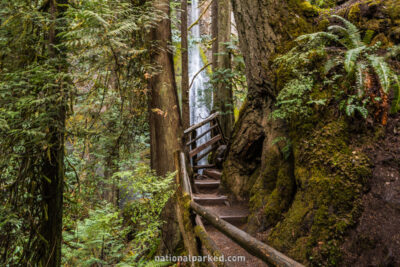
165,122
214,35
223,101
53,163
263,26
185,65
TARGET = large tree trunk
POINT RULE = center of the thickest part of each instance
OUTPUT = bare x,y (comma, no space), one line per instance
53,165
165,122
223,101
262,26
185,65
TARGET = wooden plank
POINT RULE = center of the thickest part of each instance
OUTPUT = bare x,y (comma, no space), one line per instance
250,244
208,119
198,167
200,148
201,135
198,158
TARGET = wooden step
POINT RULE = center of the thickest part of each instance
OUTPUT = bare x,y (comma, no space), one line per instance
232,219
207,184
199,167
207,199
212,173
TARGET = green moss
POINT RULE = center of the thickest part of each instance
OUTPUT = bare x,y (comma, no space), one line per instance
330,178
205,61
355,13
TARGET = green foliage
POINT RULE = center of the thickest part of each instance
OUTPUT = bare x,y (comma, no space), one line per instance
101,237
293,99
361,62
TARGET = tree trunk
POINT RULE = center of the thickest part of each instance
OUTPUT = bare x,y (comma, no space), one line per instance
261,31
165,122
223,101
185,65
214,35
53,165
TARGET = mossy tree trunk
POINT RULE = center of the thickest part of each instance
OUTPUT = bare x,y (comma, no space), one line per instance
263,26
185,65
223,97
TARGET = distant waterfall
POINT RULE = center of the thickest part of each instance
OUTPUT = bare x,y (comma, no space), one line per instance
198,108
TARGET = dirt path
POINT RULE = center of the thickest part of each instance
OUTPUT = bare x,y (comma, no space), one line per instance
206,187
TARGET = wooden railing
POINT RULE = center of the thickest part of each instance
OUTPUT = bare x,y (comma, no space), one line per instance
191,139
255,247
252,245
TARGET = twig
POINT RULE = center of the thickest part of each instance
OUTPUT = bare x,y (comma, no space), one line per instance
201,15
194,77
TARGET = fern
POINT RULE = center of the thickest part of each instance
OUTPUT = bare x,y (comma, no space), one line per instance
396,99
351,58
317,37
353,34
360,80
382,70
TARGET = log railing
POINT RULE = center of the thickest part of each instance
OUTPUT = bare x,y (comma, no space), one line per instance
252,245
255,247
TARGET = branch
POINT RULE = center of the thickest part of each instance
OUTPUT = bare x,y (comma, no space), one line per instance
201,15
194,77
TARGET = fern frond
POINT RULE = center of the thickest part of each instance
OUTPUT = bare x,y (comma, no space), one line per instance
382,70
351,58
396,100
353,32
318,37
359,75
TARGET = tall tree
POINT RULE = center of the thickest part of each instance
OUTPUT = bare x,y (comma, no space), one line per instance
185,65
53,164
223,97
214,35
165,121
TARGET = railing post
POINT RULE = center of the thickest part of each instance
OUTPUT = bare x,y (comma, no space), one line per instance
183,198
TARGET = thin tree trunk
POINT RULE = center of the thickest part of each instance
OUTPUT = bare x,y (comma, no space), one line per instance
223,101
185,65
53,165
214,34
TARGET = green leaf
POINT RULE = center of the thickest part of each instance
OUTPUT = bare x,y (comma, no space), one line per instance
351,58
383,71
396,100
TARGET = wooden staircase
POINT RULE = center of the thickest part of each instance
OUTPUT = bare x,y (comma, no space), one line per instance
220,220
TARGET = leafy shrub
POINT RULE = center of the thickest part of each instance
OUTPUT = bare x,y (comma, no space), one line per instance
101,238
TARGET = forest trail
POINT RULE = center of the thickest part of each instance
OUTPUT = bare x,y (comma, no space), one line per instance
207,194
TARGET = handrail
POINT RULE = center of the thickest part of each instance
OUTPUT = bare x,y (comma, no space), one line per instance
250,244
246,241
187,187
208,119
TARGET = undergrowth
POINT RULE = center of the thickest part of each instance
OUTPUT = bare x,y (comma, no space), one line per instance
339,59
108,236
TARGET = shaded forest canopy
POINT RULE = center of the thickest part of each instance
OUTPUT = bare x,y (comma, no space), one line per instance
95,96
